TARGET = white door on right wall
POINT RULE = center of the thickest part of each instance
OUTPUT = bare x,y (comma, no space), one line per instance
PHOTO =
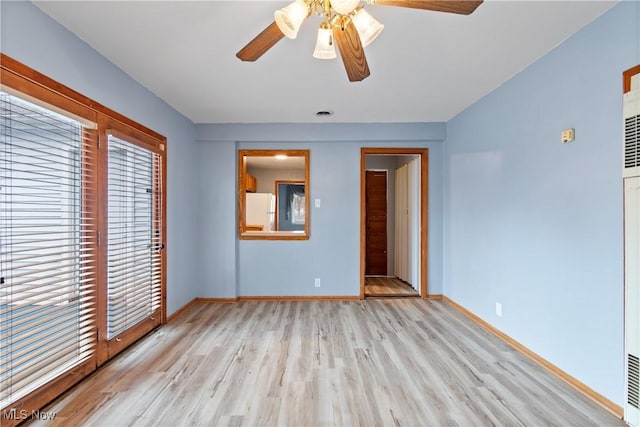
407,226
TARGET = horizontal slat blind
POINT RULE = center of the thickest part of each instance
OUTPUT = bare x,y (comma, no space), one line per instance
47,240
134,241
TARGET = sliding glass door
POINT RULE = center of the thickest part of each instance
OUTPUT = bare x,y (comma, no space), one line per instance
47,247
134,241
82,265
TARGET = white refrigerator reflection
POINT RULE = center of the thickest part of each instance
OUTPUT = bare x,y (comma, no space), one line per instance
260,211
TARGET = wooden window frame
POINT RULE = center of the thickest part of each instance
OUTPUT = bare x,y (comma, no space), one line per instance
38,88
242,172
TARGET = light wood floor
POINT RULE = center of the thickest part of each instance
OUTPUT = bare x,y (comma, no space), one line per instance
387,287
379,362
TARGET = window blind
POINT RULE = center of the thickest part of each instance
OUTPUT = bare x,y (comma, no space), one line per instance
47,247
134,235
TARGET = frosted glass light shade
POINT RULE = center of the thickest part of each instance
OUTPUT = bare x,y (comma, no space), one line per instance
367,26
344,7
291,17
325,48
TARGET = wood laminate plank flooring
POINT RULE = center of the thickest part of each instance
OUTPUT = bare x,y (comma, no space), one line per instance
380,286
379,362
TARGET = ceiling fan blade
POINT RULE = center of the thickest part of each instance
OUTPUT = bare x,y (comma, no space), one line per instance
463,7
261,43
351,51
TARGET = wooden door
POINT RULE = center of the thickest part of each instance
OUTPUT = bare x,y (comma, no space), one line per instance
135,240
376,223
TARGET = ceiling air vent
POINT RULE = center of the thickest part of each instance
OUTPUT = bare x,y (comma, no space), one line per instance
632,142
633,382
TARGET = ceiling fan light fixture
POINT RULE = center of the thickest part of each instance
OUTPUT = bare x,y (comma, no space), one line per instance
367,26
291,17
344,7
345,23
325,49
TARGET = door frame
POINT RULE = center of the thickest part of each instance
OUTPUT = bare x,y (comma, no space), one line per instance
424,197
106,347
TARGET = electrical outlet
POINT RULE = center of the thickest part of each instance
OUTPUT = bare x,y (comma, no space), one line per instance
499,309
317,282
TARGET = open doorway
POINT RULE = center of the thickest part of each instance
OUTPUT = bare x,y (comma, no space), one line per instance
393,222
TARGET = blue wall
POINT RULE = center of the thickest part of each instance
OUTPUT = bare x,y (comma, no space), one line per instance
537,225
333,251
31,37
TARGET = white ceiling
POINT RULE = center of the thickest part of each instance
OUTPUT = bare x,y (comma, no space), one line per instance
425,66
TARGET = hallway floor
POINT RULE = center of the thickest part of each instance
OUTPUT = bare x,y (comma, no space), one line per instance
381,286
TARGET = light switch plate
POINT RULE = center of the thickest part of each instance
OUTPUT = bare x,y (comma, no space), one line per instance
568,135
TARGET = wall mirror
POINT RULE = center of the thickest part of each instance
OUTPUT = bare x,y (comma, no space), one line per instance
273,189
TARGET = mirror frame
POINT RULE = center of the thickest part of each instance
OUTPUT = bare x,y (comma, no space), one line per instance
243,234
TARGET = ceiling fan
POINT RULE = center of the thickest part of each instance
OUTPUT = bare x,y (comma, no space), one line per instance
345,23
